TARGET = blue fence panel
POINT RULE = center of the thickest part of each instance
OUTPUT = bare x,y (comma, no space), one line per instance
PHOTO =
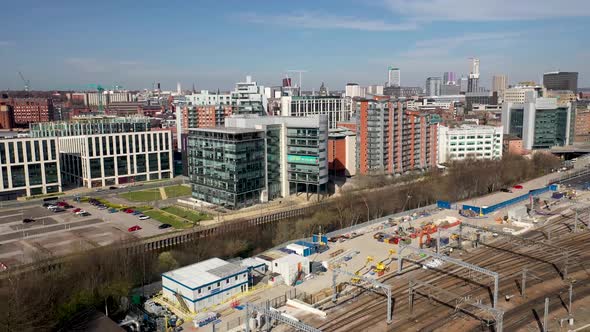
490,209
443,204
472,208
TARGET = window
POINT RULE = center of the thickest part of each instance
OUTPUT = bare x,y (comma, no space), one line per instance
37,151
35,174
29,151
226,281
2,153
236,278
199,291
45,151
19,148
218,284
53,151
18,176
90,150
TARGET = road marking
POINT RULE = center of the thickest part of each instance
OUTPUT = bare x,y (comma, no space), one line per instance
11,215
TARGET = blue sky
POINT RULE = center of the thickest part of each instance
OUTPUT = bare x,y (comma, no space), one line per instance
68,44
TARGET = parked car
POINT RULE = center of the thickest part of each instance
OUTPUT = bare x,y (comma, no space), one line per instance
68,206
113,210
50,207
134,228
143,217
46,205
76,210
28,220
113,187
505,190
135,213
102,207
62,204
129,211
164,226
80,211
518,186
84,214
58,209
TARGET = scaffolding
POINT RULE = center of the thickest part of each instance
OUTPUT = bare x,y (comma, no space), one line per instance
448,259
379,285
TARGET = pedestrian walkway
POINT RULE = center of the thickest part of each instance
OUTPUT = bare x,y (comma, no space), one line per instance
163,193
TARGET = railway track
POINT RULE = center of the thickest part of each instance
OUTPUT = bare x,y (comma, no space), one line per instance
500,255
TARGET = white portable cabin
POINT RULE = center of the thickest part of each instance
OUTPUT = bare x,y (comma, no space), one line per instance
205,284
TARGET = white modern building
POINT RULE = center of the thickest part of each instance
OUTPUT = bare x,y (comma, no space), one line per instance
205,284
249,98
302,156
29,166
104,151
469,141
301,106
517,94
354,90
541,123
204,97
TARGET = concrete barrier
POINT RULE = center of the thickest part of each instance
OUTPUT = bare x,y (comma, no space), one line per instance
305,307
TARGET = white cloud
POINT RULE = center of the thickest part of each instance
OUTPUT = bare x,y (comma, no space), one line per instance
444,46
320,21
488,10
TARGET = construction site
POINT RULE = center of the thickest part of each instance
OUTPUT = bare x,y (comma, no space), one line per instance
510,261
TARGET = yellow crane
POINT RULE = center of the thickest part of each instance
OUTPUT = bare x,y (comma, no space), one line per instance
358,272
381,267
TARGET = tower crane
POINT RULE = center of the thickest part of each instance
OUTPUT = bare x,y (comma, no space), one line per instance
300,75
27,82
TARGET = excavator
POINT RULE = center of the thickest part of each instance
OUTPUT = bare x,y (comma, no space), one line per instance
426,231
358,272
381,267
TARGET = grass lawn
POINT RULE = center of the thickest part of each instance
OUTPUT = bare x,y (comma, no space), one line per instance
168,219
194,216
148,195
178,190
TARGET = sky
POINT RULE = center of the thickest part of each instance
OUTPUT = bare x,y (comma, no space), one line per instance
213,44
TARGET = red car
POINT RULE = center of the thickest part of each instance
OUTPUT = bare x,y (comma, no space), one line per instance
76,210
133,228
129,211
61,204
518,186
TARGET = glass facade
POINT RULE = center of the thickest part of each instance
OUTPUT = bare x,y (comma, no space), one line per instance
550,128
227,167
90,126
303,159
273,161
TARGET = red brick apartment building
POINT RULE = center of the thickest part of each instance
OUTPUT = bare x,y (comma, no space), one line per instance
30,110
392,139
208,116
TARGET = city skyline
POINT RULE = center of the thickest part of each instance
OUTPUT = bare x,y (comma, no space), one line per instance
122,44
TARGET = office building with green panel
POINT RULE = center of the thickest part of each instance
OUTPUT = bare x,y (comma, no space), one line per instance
28,167
291,151
541,123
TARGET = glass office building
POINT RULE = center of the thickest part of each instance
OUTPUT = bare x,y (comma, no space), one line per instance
227,166
257,159
28,167
541,123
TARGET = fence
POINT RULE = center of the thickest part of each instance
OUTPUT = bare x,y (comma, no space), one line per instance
489,209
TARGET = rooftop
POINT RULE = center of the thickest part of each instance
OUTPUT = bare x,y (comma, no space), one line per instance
226,130
203,273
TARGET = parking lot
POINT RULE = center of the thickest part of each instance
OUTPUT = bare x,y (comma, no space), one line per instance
64,232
